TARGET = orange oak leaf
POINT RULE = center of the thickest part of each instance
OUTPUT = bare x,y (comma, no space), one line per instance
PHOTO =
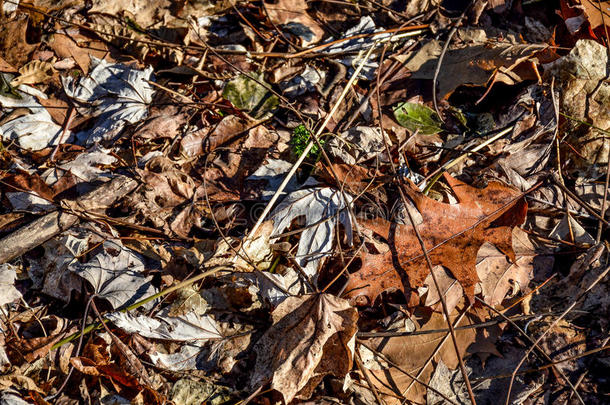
452,235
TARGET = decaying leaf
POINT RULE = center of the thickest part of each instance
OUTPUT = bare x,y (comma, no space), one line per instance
323,209
33,130
34,72
8,292
249,255
13,44
418,117
584,97
311,336
358,144
250,96
452,233
473,64
412,353
117,275
117,94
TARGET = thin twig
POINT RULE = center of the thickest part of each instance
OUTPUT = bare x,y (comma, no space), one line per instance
541,351
512,380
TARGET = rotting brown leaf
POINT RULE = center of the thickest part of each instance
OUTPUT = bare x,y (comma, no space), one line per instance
311,336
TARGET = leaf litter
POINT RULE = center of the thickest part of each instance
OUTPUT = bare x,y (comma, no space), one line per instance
141,142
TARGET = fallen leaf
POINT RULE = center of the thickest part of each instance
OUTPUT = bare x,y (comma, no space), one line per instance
311,336
411,353
145,12
357,144
35,130
115,93
8,292
323,208
452,234
34,72
250,96
584,95
190,392
597,12
13,45
80,48
252,254
418,117
292,16
189,327
473,64
117,275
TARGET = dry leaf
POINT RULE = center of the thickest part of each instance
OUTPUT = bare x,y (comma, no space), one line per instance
452,233
292,16
311,336
13,45
474,64
34,72
411,353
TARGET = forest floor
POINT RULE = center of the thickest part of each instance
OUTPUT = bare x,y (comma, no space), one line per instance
289,201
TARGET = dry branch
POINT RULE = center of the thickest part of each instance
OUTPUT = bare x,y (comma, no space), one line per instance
39,231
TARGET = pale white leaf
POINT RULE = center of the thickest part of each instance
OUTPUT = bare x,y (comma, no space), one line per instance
29,202
185,359
358,144
60,252
116,274
273,173
117,94
33,131
85,166
8,292
184,328
323,208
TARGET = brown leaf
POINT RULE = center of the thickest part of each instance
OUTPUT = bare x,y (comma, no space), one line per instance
34,72
596,16
474,64
411,353
293,15
80,48
311,336
452,234
13,46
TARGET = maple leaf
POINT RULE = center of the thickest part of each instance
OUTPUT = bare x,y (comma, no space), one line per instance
452,234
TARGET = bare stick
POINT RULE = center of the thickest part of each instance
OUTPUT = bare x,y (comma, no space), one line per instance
309,145
41,230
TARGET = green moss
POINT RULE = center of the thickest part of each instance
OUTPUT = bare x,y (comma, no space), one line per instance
299,141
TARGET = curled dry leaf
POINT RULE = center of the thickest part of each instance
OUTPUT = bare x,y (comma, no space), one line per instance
34,72
253,254
311,336
452,234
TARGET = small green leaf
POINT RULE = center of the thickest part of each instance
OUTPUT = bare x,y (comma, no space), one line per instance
249,96
418,117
